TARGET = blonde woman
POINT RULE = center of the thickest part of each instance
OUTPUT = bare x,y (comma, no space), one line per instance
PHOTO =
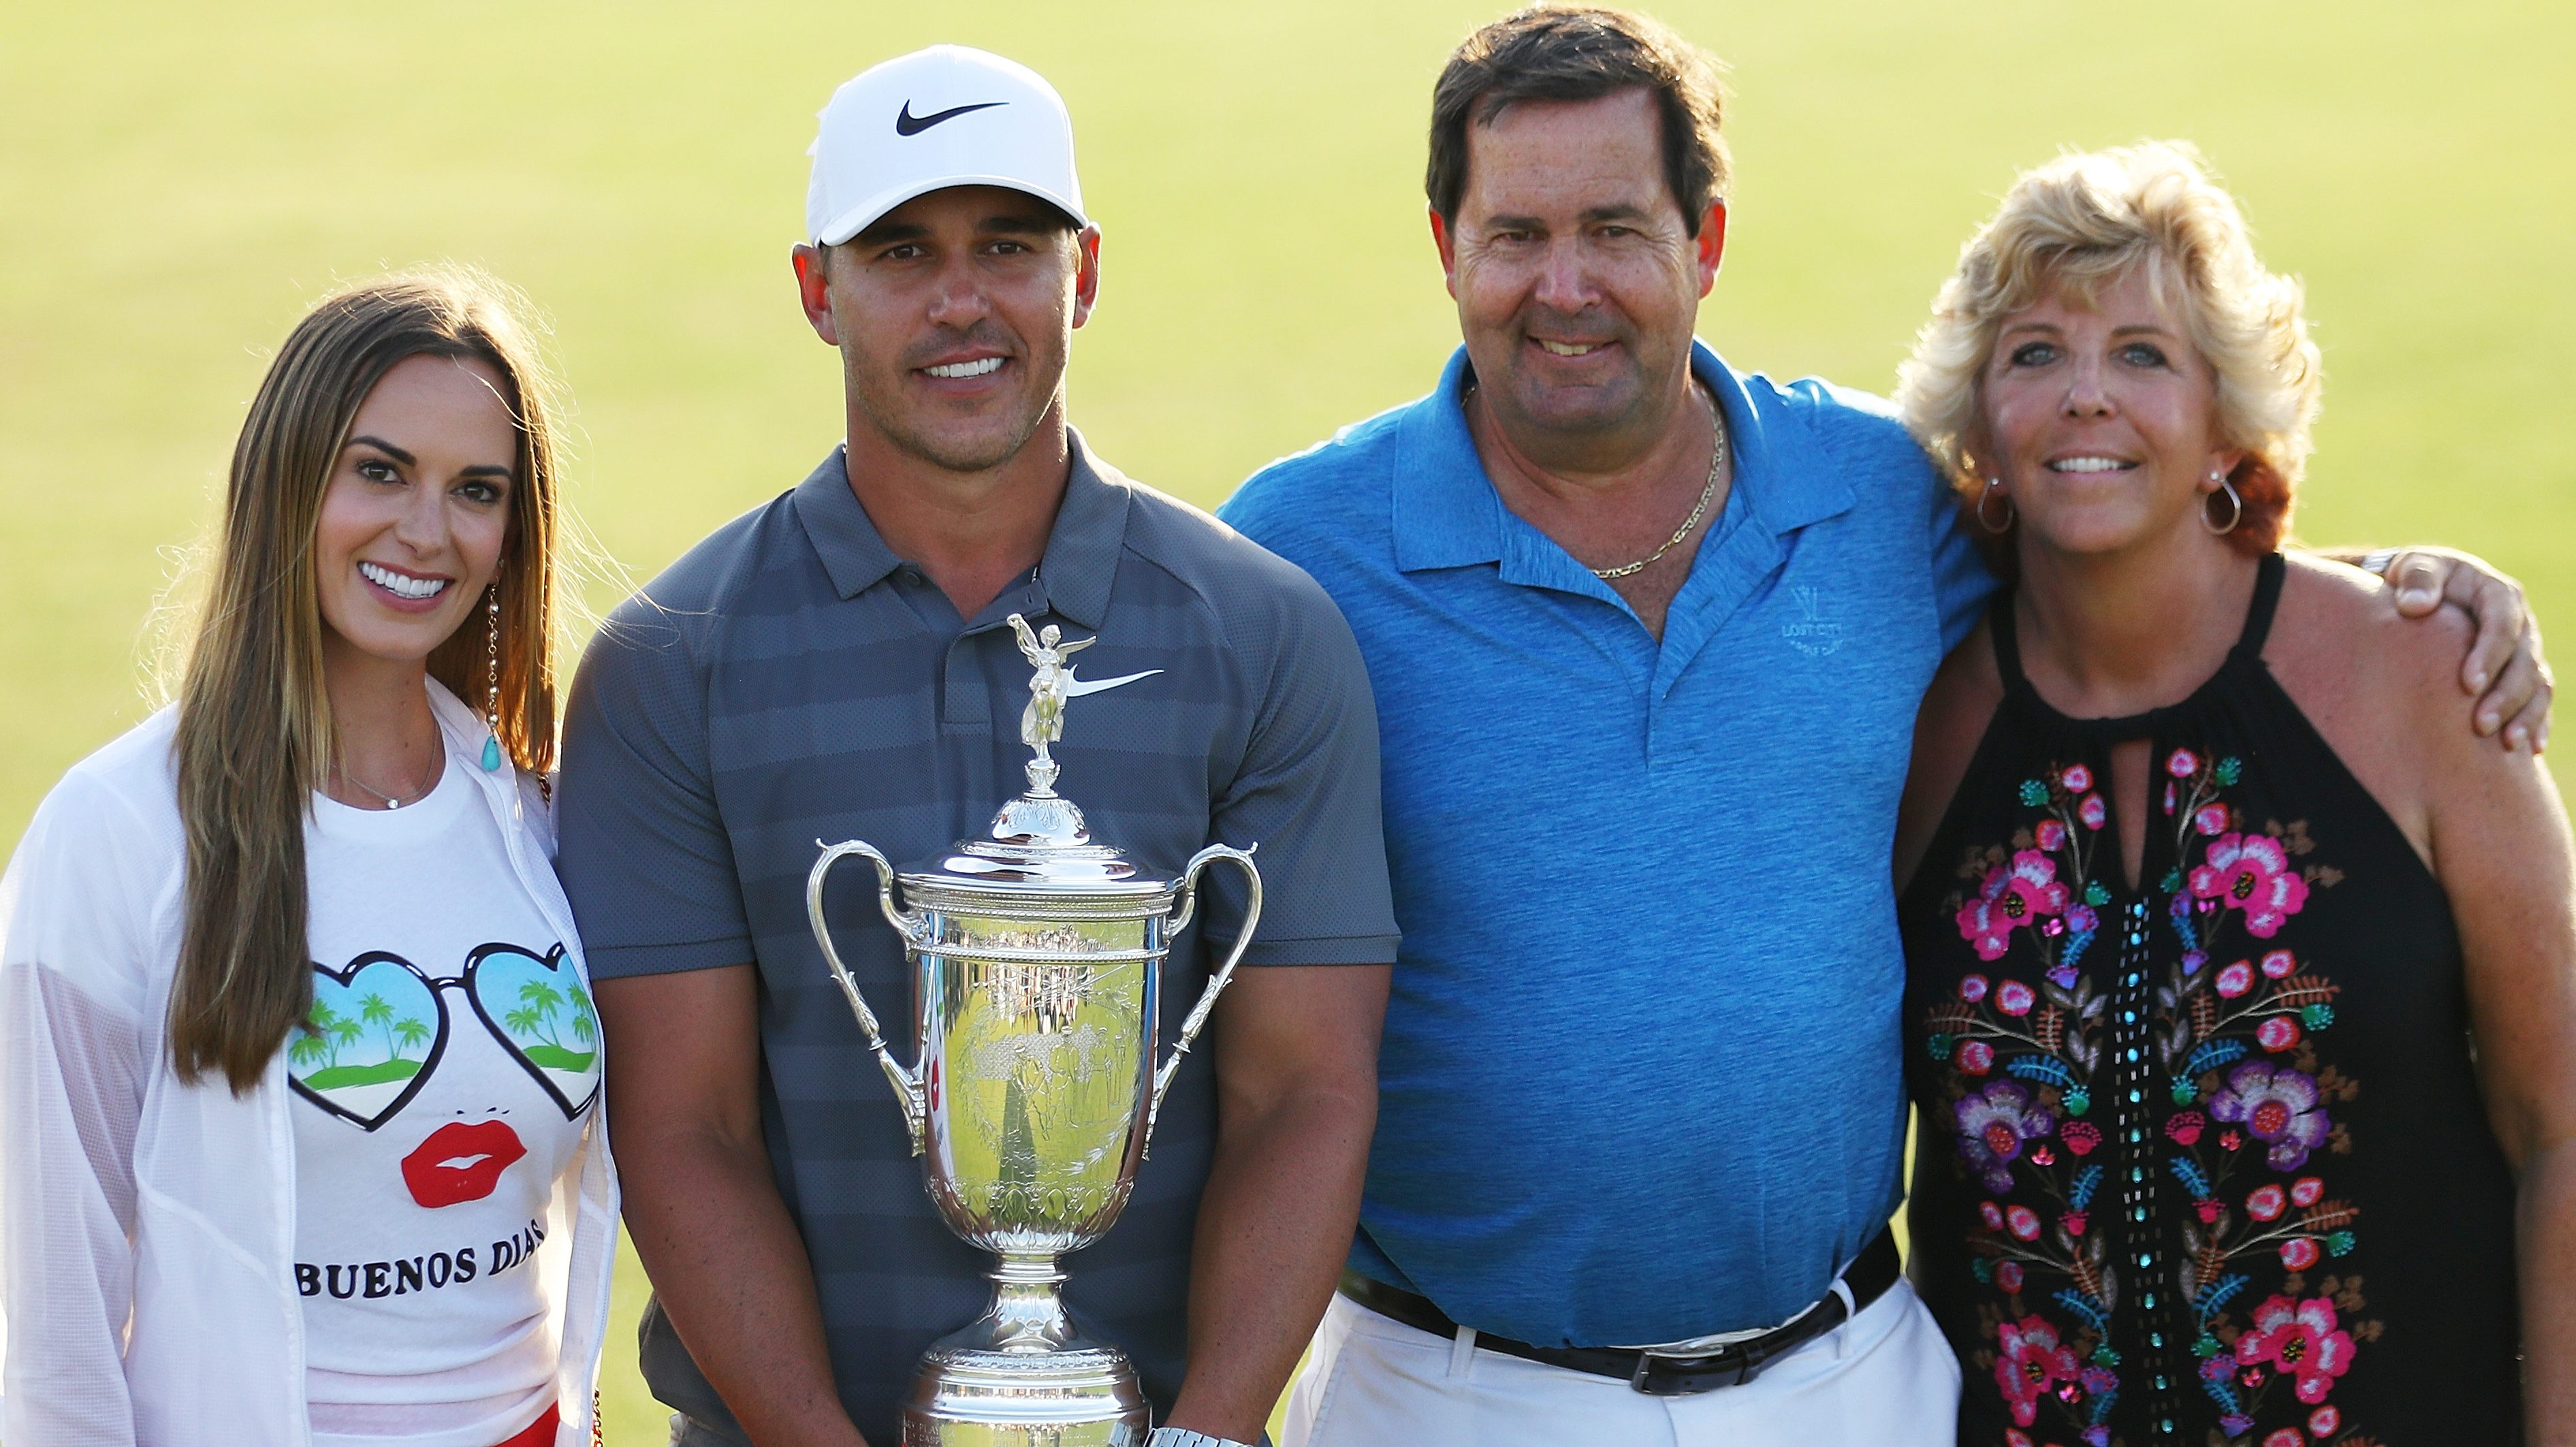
2242,980
302,1142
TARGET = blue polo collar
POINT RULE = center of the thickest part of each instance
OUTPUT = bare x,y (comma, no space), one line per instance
1447,514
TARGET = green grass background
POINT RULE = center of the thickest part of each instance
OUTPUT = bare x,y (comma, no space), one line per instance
178,181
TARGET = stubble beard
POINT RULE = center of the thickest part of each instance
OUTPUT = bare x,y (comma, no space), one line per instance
979,447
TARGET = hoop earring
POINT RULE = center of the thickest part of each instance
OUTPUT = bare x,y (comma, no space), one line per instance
1994,489
2235,506
492,679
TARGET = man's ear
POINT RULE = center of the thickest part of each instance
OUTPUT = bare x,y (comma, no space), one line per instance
814,291
1448,247
1712,245
1086,274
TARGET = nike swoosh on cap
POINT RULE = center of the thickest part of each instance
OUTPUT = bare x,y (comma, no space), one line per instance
908,124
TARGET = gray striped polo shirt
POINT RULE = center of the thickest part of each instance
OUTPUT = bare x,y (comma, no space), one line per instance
790,679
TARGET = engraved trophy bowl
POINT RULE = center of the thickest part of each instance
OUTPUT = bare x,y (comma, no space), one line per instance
1036,961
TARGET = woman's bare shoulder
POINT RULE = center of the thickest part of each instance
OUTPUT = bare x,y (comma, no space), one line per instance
1957,707
2340,637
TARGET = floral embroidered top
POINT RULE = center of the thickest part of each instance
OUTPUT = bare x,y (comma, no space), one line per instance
2202,1162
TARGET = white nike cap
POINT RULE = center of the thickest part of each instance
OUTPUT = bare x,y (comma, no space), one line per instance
946,116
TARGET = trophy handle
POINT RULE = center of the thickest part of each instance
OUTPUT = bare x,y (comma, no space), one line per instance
907,1083
1180,919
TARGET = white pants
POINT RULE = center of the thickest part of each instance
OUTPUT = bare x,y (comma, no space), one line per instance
1883,1379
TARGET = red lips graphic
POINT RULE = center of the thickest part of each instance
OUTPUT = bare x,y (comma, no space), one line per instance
461,1162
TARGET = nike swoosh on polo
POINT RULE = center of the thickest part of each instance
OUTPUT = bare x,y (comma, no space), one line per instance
908,124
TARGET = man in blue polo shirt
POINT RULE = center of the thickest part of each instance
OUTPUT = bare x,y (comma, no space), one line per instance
1648,635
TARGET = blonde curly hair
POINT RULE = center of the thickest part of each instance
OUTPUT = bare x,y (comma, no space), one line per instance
2084,222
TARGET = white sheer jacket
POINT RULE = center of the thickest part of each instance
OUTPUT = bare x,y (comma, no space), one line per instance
147,1227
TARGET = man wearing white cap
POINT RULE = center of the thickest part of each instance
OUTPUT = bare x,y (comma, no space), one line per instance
839,664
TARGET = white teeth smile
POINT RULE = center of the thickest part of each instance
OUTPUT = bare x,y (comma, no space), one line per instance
402,585
1570,349
976,368
2090,464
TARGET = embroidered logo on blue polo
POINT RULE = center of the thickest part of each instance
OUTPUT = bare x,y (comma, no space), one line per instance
1812,634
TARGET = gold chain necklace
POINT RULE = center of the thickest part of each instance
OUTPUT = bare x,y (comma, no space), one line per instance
1707,494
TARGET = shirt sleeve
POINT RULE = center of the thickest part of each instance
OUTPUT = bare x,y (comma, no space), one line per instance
1306,798
641,845
75,947
1961,581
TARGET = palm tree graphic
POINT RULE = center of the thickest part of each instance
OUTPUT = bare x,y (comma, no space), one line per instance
375,1011
534,1021
318,1049
539,1001
585,1016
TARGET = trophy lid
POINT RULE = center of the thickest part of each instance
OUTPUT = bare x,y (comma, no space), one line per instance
1038,844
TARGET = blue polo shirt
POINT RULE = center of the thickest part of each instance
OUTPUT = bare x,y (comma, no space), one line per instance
1640,1078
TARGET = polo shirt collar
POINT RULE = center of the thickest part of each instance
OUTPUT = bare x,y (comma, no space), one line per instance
853,554
1081,560
1075,573
1447,514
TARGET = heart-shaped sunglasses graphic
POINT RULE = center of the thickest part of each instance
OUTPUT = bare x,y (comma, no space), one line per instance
380,1026
535,1005
376,1032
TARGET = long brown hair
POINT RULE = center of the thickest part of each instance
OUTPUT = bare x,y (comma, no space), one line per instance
255,734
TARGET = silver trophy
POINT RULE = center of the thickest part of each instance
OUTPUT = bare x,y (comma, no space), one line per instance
1036,958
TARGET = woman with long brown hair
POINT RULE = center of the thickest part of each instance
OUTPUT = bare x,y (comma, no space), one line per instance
299,1135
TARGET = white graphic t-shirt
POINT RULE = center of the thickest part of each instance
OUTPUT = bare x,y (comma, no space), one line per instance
445,1085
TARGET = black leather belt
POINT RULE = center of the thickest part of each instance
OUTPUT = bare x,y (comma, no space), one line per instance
1658,1373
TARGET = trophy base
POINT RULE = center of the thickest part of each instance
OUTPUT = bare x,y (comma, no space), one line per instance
1022,1376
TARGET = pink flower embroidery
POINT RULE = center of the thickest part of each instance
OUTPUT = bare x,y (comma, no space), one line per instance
2306,1190
2210,819
2251,872
2298,1253
2080,1137
2183,764
2008,1276
2300,1339
2032,1361
1976,1057
2021,893
2266,1204
1973,988
2051,835
2185,1126
2278,964
2236,979
2093,811
2015,998
2278,1034
2077,779
2323,1421
2286,1437
2022,1221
